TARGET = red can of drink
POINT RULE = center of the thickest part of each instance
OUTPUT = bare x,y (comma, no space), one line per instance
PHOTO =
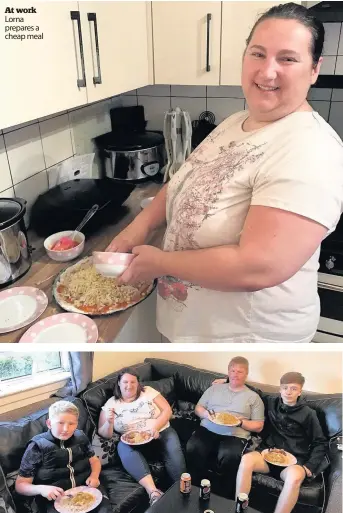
185,483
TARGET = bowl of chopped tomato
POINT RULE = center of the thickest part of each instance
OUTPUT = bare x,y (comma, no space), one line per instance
62,248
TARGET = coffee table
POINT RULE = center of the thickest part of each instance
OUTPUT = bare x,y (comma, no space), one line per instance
173,501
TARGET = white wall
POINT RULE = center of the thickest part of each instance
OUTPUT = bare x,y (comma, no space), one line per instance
322,370
106,362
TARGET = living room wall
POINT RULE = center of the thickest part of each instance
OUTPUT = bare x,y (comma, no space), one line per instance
323,371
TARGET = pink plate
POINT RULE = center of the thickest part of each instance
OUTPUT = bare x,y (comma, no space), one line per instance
106,257
19,306
65,327
63,508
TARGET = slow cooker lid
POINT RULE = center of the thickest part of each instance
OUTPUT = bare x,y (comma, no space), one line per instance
11,210
129,141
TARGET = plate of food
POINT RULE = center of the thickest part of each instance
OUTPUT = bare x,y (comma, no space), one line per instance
136,437
279,457
224,419
81,289
78,500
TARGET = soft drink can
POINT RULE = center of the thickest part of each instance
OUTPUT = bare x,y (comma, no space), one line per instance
208,511
205,489
242,503
185,483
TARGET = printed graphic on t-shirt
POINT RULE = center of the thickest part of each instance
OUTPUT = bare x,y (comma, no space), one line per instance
193,201
126,418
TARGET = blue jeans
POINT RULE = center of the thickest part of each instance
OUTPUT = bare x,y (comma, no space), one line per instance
167,447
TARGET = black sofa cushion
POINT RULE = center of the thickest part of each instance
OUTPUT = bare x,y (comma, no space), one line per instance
329,412
311,491
98,392
166,387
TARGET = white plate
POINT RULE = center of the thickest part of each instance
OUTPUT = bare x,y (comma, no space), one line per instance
62,328
291,460
58,504
19,306
139,443
215,421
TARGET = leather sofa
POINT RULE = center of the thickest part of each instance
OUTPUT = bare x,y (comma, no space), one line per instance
182,386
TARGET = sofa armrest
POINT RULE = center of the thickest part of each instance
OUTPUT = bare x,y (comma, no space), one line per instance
334,484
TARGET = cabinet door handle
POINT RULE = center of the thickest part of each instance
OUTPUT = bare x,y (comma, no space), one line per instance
208,20
75,15
92,17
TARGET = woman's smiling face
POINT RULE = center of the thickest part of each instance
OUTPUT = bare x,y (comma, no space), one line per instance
278,69
128,386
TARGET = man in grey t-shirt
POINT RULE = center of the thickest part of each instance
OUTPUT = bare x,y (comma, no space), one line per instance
227,443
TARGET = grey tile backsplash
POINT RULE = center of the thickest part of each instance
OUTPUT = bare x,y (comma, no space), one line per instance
29,152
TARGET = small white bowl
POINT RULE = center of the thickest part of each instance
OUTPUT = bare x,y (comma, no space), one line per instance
111,264
69,254
146,202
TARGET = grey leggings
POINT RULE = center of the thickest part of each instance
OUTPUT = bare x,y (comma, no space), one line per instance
167,448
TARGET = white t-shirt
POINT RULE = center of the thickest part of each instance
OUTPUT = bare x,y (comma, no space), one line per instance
136,414
294,164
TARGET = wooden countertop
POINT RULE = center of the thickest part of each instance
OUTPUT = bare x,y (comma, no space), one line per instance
44,270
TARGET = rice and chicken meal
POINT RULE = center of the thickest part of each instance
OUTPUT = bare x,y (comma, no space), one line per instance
278,456
227,419
92,293
81,501
136,437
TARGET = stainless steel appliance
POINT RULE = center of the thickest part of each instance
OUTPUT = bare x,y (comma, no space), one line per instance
330,288
130,152
15,258
131,156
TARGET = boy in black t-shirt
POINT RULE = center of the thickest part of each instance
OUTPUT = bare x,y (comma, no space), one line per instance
59,459
293,426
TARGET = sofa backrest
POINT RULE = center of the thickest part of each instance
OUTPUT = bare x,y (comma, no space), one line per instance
191,382
98,392
14,436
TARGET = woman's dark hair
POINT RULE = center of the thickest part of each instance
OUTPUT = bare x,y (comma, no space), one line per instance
292,11
116,389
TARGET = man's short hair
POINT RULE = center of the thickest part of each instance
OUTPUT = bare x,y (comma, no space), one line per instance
63,407
292,377
239,360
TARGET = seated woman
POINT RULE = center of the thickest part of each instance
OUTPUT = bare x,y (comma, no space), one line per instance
142,408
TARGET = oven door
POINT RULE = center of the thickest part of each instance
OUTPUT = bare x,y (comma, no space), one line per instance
330,327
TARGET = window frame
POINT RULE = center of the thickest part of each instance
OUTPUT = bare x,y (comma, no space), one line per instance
24,390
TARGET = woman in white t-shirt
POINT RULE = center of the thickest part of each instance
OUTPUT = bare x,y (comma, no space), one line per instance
248,210
134,407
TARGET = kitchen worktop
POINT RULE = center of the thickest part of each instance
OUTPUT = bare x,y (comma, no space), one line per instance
44,270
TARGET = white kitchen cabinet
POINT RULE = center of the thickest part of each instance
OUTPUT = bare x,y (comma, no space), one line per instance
186,41
238,18
115,47
39,76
